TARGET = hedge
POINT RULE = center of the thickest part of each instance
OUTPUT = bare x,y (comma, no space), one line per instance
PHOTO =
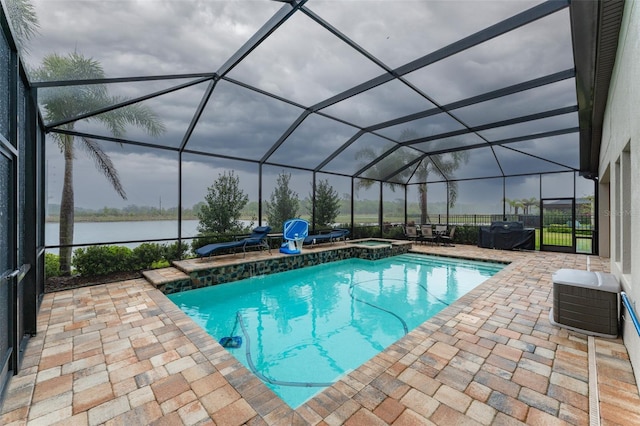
102,260
51,265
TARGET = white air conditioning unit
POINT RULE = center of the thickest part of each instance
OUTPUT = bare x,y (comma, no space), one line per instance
586,302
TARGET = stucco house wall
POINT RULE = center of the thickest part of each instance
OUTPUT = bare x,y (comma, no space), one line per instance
619,172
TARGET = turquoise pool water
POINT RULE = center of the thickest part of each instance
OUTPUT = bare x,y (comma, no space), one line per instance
302,330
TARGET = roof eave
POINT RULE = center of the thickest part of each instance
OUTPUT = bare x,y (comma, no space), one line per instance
595,28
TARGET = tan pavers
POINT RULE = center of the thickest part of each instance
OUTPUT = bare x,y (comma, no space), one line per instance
344,412
480,412
532,380
169,387
508,405
453,398
92,397
178,401
445,415
52,387
365,417
219,398
233,414
122,353
108,410
389,410
420,403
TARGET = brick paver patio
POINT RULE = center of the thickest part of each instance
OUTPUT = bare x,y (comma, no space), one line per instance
123,354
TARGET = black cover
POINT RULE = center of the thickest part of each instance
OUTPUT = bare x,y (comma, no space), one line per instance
507,235
506,226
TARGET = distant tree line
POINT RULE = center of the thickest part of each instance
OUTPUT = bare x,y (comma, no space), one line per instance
248,212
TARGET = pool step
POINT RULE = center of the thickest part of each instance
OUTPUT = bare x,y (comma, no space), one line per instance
161,277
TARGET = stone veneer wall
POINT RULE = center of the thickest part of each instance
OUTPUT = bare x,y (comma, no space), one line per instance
230,273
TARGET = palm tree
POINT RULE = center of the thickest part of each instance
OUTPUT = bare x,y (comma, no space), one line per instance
510,202
516,205
441,164
24,21
527,203
71,101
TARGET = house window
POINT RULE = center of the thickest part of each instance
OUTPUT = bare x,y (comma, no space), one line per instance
624,212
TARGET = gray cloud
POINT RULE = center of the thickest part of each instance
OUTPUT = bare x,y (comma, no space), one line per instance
305,63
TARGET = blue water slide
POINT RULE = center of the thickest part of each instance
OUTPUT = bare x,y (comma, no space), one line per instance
294,231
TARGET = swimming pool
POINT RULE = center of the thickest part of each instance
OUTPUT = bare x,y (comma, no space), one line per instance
302,330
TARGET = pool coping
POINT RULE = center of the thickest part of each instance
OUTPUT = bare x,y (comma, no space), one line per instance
197,273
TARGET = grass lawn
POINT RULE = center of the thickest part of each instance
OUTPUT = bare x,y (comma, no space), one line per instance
583,245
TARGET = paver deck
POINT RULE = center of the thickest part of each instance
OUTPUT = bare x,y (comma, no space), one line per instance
122,353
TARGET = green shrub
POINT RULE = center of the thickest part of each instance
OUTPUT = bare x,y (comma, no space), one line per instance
393,232
466,234
174,251
51,265
160,264
145,254
365,232
102,260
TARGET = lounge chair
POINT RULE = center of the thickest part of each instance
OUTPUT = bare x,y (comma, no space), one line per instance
331,236
256,239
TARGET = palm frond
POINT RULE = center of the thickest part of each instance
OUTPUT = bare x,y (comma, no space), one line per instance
24,20
136,114
104,164
363,183
67,102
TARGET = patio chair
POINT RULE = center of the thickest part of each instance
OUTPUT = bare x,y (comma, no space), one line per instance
411,233
256,239
427,235
331,236
447,239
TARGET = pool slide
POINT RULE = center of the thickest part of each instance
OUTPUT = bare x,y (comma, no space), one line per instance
294,231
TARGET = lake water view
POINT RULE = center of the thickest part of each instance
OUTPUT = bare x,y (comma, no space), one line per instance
99,232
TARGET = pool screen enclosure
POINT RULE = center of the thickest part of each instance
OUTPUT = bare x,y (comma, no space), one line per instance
394,109
386,92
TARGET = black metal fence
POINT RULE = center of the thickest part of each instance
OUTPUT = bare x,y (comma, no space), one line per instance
557,229
530,221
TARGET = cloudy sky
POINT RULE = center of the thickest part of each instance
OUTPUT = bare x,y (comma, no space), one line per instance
302,64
